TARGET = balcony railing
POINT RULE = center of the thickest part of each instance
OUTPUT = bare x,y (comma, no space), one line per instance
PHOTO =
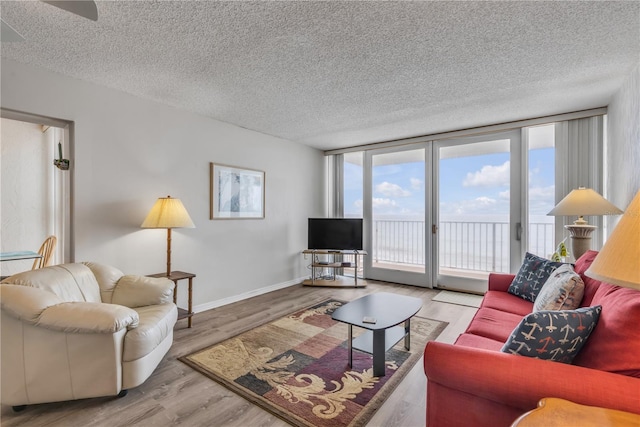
477,246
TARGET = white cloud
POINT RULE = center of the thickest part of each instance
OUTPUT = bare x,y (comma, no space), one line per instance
485,201
504,195
379,202
358,203
544,194
482,205
391,190
416,183
541,199
488,176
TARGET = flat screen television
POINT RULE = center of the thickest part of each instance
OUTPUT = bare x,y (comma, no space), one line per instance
335,233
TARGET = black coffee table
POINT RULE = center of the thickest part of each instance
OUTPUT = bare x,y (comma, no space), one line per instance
389,311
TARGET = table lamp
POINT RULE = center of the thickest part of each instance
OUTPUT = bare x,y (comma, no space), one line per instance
618,262
168,213
580,202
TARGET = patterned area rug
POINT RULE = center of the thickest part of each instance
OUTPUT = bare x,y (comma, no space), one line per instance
297,367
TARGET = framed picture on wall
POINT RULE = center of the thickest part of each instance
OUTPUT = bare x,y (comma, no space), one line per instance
235,193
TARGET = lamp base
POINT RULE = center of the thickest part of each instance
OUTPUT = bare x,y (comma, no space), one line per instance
580,238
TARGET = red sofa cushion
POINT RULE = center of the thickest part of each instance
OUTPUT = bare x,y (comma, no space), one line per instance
590,285
614,344
476,341
494,324
509,303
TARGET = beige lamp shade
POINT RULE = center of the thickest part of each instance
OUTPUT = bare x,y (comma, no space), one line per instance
618,262
168,213
584,201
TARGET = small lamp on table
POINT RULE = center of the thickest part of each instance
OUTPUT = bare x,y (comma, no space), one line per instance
168,213
580,202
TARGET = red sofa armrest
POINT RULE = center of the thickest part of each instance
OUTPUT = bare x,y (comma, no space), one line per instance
520,382
500,281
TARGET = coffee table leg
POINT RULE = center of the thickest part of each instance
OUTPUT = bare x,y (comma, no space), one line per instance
350,346
378,353
407,336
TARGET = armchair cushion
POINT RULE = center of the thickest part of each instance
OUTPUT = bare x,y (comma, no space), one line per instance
156,323
139,291
107,278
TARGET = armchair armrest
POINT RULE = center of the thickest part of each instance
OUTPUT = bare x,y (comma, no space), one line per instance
88,317
41,308
26,303
140,291
520,382
500,281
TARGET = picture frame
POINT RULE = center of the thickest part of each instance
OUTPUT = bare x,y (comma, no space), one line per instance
235,192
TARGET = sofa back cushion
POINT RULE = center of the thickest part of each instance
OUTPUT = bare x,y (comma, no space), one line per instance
614,344
107,277
70,282
590,285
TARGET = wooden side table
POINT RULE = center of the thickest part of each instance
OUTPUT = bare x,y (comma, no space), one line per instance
554,412
175,277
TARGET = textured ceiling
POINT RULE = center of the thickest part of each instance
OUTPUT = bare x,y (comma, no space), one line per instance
338,74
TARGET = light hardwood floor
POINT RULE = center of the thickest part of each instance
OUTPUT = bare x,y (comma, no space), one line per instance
175,394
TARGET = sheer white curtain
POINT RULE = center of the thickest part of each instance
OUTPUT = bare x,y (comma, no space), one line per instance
336,185
580,153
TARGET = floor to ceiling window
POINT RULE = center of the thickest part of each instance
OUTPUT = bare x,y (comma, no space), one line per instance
478,213
541,189
447,212
395,211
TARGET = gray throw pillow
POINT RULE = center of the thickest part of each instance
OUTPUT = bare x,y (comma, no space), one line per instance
563,290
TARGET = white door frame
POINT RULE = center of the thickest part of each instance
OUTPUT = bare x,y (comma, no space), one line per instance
516,207
390,275
64,220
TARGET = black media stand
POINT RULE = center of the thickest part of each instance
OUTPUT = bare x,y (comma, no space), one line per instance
318,268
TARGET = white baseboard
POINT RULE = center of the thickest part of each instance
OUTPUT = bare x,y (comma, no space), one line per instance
219,303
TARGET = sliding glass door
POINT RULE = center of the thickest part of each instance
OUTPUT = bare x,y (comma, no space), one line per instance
447,213
479,212
396,215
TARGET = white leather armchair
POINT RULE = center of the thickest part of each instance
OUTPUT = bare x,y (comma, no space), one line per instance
76,331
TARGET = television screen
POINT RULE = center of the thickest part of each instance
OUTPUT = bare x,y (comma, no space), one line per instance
335,233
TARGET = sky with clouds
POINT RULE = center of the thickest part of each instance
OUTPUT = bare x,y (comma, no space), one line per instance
472,186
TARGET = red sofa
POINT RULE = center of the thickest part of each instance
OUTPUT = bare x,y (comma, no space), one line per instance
472,383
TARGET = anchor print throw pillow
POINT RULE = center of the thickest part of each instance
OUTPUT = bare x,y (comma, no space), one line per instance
553,335
532,275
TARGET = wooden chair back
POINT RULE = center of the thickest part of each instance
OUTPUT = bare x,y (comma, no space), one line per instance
46,250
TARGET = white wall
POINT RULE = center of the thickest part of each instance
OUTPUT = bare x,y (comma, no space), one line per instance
129,152
623,134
